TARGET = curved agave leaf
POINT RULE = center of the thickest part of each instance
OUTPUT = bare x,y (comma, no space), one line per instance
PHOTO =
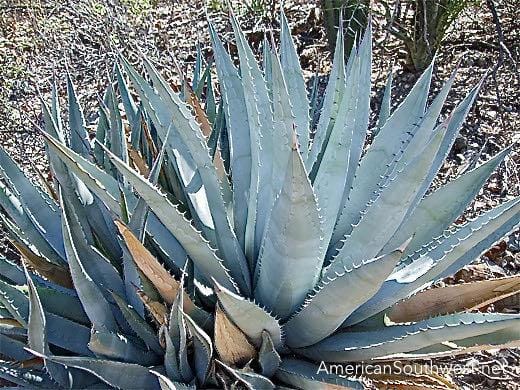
318,319
382,152
62,303
268,358
176,351
361,346
121,348
389,209
107,189
94,303
455,122
203,349
15,302
331,176
267,64
250,318
250,380
439,209
283,125
37,336
167,384
11,271
334,92
296,84
363,108
41,206
117,138
190,133
13,349
27,227
68,334
131,110
55,273
196,247
117,374
305,375
260,121
60,331
416,139
293,239
79,141
95,264
442,258
141,328
100,182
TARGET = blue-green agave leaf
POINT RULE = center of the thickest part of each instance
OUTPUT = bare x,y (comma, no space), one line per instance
350,124
261,125
388,210
249,317
15,302
94,303
196,247
119,347
318,319
293,240
293,75
62,303
79,140
305,375
13,349
442,257
190,133
11,271
203,349
248,378
268,358
382,153
28,227
334,92
37,336
438,210
41,206
141,328
399,338
117,374
167,384
131,110
283,125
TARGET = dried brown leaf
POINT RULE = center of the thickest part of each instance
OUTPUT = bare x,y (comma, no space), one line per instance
231,343
156,309
451,299
165,284
53,272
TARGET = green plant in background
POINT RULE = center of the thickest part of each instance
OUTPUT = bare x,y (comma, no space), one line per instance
422,25
355,14
202,245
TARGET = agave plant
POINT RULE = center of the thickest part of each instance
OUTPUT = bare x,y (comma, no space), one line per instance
200,244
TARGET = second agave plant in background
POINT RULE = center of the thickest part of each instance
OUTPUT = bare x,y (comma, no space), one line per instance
198,244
